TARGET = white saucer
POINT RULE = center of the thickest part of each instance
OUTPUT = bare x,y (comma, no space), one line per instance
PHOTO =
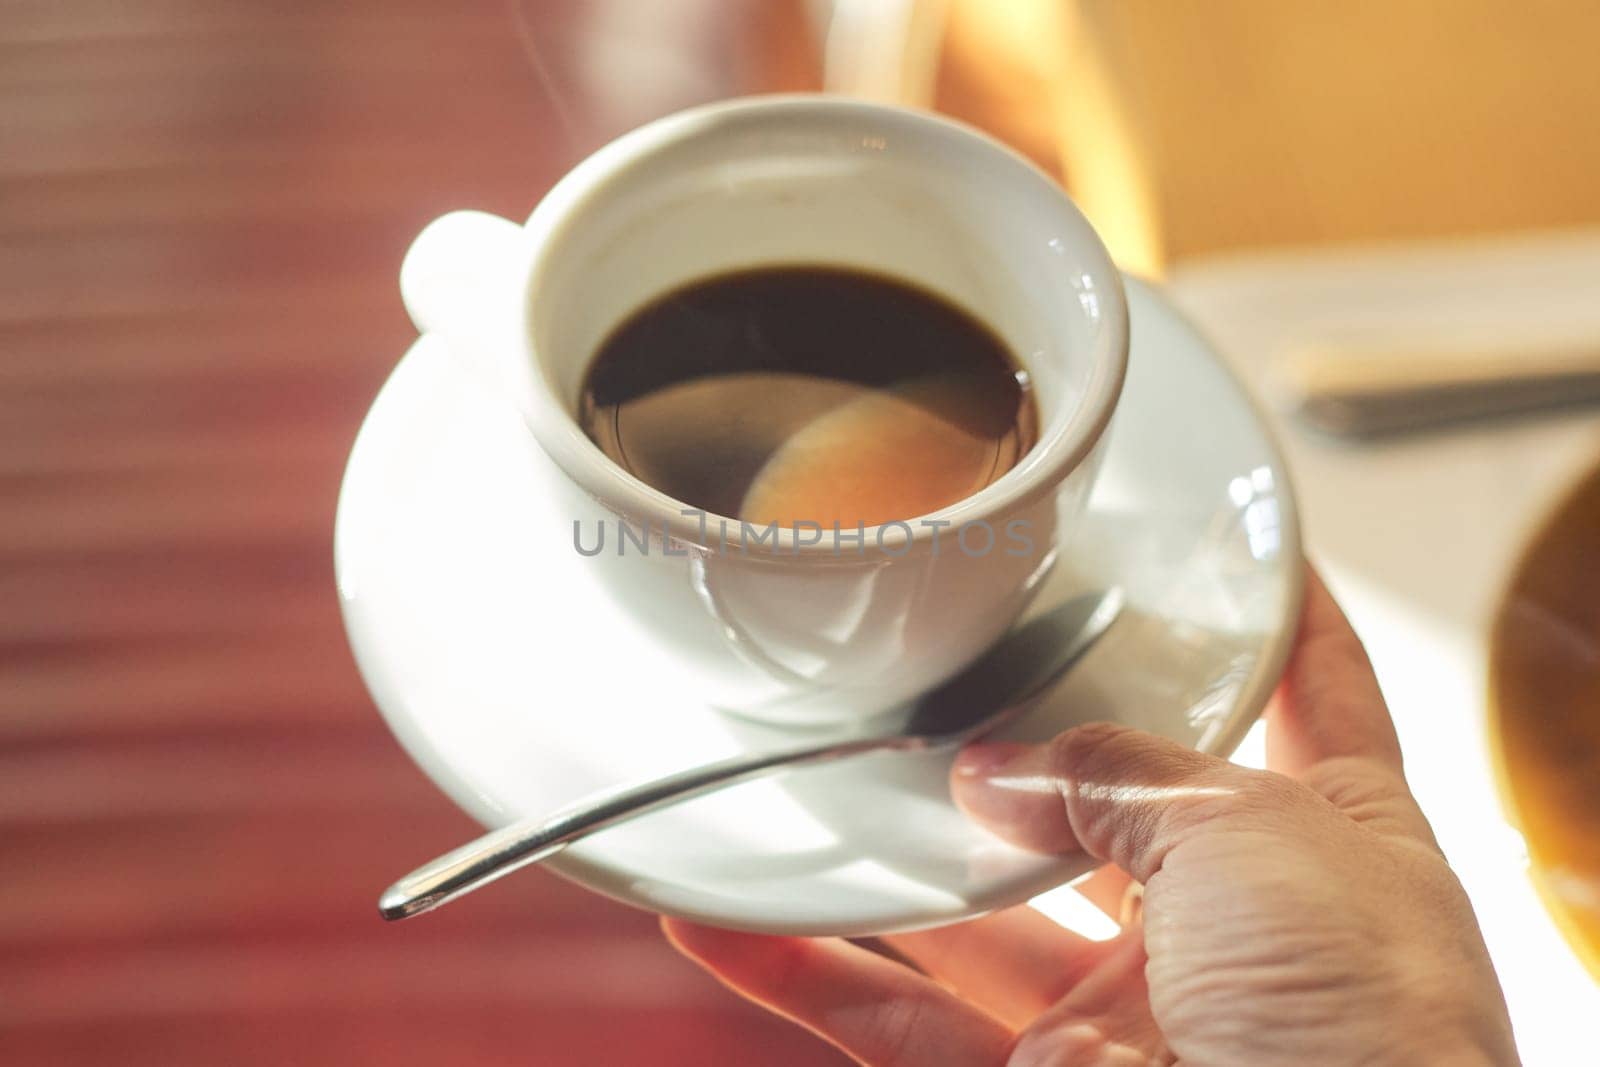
518,688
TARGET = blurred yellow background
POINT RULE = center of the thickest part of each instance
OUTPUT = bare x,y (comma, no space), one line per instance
1190,127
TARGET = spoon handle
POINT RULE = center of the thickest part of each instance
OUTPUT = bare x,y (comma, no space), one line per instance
502,851
1020,667
1361,392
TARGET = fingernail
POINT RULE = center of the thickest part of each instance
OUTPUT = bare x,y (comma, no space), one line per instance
1004,787
985,758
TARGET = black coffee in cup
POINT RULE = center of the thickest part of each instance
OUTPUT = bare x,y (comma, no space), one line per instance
804,393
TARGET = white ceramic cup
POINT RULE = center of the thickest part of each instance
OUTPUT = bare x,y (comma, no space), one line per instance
804,626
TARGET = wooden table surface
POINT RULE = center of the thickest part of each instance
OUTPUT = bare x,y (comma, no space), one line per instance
203,205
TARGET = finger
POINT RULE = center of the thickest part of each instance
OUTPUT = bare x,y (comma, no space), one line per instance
875,1010
1013,964
1373,795
1104,1022
1119,794
1328,704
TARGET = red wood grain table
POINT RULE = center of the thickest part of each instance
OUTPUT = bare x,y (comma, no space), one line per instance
203,204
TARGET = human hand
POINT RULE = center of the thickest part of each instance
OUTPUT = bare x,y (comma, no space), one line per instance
1302,915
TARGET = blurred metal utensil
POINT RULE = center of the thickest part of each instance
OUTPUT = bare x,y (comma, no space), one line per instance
1368,391
979,699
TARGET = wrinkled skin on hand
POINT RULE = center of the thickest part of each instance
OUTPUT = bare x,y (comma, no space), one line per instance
1300,915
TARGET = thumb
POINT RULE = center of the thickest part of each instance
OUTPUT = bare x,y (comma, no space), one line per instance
1121,795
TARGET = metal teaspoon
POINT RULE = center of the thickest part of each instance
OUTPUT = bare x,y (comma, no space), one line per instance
987,694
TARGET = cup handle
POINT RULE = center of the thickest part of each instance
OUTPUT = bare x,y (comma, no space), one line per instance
459,282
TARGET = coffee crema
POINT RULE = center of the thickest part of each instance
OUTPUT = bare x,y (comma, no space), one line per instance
808,394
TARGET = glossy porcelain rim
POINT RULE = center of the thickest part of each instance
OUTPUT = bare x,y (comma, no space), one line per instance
617,884
1052,458
1276,649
